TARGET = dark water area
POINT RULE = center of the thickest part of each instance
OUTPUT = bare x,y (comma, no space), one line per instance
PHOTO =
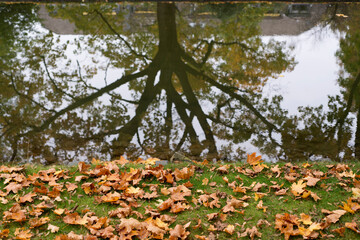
214,81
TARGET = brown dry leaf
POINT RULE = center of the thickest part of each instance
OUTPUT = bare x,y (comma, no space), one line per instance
53,228
74,218
13,187
59,211
201,237
340,231
311,181
71,186
4,233
287,224
276,170
166,204
298,188
334,216
179,207
350,206
224,169
184,173
205,181
74,236
179,232
212,216
36,222
305,219
251,232
252,159
198,224
260,206
353,226
230,229
263,222
111,197
22,234
281,192
165,191
27,198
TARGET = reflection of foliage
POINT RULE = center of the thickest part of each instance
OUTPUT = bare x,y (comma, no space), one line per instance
181,66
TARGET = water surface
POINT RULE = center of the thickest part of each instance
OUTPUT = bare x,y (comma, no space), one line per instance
212,81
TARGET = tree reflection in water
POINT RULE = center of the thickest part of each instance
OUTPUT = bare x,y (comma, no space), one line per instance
192,85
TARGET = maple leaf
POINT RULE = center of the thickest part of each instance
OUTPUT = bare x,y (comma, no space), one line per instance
224,169
74,218
53,228
13,187
4,233
353,226
340,231
184,173
166,204
27,198
251,232
281,192
305,219
179,207
298,188
230,229
333,216
71,186
22,234
111,197
59,211
286,223
36,222
252,159
350,206
260,206
311,181
179,232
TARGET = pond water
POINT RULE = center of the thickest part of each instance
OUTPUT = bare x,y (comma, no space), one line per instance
214,81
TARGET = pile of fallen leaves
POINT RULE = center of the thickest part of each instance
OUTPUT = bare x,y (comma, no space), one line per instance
148,202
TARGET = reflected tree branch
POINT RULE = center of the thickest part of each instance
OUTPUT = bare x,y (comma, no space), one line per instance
120,37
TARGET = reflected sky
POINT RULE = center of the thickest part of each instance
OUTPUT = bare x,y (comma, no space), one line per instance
213,81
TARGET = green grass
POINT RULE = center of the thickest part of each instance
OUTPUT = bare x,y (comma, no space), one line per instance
79,201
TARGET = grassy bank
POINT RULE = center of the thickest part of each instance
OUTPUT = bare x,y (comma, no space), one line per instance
121,200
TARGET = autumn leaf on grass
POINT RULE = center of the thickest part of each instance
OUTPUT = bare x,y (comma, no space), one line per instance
111,197
311,181
36,222
74,218
53,228
298,188
353,226
205,181
179,232
224,169
4,233
310,232
252,159
350,206
251,232
287,224
333,216
27,198
230,229
184,173
71,186
340,231
260,206
15,213
22,234
13,187
59,211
